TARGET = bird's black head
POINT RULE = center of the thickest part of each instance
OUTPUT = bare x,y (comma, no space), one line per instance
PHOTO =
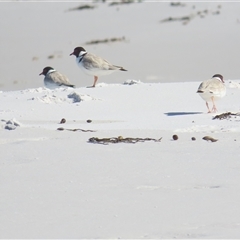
78,51
45,71
218,76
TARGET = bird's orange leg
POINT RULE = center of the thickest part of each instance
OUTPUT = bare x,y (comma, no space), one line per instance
214,109
95,81
208,107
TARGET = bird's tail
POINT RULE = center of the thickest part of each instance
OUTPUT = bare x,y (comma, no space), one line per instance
68,85
120,68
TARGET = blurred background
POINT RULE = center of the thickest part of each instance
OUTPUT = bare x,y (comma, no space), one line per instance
154,41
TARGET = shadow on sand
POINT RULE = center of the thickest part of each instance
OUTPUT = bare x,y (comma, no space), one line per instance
171,114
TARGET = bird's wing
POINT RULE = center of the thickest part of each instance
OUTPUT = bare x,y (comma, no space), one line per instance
212,86
91,61
57,77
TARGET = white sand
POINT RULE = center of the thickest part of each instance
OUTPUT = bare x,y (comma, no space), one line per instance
55,184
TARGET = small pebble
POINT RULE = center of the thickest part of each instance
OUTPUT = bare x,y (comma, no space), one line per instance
175,137
89,121
63,121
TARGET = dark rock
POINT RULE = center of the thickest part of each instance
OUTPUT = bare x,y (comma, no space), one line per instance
63,121
175,137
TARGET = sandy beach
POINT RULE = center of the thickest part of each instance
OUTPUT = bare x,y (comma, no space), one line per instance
71,180
136,157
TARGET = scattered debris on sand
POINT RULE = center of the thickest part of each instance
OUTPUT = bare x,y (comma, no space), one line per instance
177,4
82,7
55,54
63,120
121,139
106,40
208,138
11,124
74,129
122,2
175,137
131,82
226,115
77,97
186,19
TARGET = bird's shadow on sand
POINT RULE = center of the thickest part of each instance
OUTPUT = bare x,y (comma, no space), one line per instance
172,114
